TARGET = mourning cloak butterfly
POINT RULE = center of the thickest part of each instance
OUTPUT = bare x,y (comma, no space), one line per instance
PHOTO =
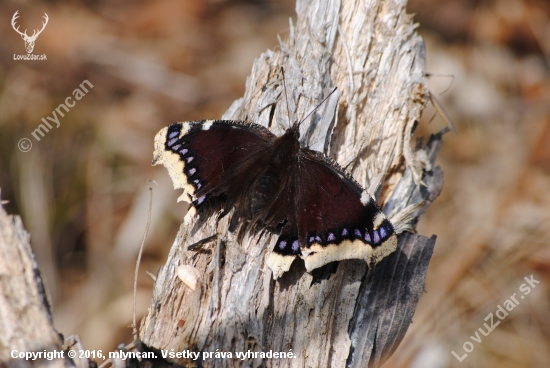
319,211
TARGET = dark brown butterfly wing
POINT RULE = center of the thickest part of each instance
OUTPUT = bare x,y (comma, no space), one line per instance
205,157
333,219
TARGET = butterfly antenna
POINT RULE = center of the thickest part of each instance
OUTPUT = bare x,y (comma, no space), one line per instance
312,111
286,97
428,75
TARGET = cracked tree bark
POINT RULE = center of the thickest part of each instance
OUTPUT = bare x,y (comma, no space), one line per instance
342,314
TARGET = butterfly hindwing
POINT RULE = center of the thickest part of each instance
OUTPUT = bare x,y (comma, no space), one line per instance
335,218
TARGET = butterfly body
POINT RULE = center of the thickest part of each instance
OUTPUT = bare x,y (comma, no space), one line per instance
320,213
264,183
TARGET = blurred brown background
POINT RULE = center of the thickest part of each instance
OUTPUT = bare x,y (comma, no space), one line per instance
82,189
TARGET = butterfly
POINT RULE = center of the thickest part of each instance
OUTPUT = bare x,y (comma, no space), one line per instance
275,183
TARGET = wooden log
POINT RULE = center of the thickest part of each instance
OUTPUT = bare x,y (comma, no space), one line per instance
342,314
25,315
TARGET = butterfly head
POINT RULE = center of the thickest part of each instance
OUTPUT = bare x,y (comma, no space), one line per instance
286,146
294,130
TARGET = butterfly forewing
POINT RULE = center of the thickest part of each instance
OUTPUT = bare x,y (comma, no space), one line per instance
204,157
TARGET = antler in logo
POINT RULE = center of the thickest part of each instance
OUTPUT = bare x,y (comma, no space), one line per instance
29,40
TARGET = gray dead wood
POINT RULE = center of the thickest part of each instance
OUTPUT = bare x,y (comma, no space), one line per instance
25,316
341,314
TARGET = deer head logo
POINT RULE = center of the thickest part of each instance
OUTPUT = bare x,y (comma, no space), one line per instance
29,40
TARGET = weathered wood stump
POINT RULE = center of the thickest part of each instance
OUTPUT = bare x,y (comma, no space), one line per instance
342,314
